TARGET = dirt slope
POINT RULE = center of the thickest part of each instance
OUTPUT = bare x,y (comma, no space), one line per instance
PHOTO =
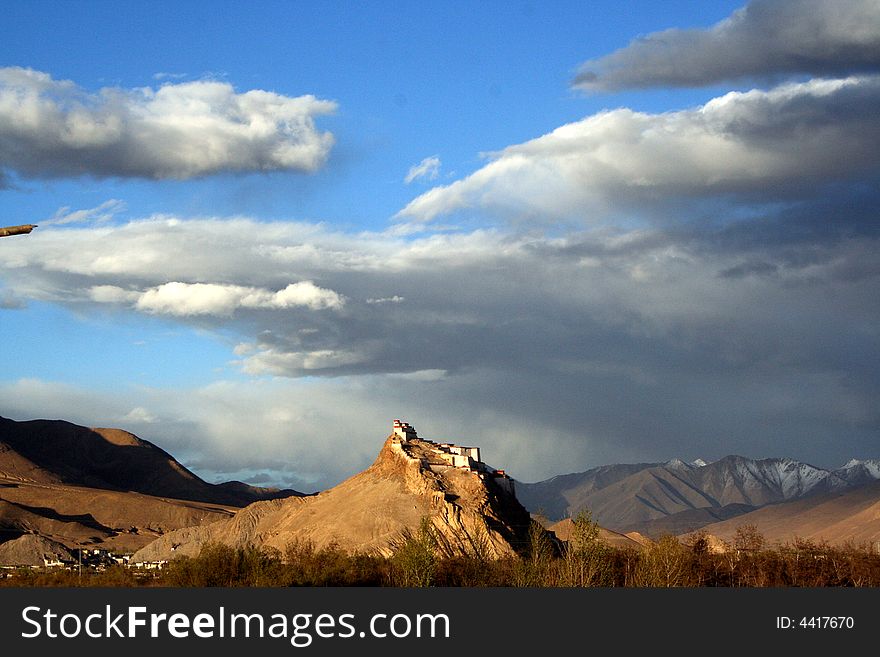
563,528
32,550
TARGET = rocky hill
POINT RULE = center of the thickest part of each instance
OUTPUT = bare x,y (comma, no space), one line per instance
33,550
470,506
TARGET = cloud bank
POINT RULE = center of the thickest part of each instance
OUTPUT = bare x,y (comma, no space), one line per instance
614,343
765,39
53,128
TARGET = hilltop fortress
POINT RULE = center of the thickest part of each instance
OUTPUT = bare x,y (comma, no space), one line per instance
470,506
438,457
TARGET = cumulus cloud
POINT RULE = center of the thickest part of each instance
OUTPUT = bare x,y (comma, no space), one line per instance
184,299
429,169
758,144
767,38
53,128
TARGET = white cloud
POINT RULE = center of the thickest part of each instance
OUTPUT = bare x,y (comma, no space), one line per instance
395,299
294,363
177,298
104,212
112,294
196,298
162,75
760,143
766,38
139,415
305,293
52,128
429,169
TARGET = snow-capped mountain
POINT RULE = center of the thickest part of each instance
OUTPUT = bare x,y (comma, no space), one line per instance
859,472
626,497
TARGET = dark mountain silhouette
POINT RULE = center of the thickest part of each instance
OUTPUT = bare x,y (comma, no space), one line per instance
54,451
103,487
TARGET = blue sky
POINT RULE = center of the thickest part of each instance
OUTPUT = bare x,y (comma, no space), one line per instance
627,245
449,78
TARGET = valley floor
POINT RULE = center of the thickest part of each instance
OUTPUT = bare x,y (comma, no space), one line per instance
666,563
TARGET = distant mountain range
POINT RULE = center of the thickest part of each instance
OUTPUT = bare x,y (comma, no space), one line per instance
70,486
677,497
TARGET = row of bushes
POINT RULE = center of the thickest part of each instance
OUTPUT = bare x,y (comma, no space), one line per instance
583,561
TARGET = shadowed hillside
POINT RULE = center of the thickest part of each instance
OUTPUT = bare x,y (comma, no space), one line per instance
103,487
58,452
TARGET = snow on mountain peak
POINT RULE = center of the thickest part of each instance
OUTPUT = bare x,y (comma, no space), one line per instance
856,470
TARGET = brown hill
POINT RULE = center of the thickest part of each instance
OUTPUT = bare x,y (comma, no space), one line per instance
78,516
102,487
469,508
563,528
851,516
689,520
54,451
33,550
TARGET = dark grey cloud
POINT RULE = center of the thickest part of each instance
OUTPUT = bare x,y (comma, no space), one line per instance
765,39
53,128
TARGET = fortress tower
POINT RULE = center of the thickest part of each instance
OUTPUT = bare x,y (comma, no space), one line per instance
403,430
